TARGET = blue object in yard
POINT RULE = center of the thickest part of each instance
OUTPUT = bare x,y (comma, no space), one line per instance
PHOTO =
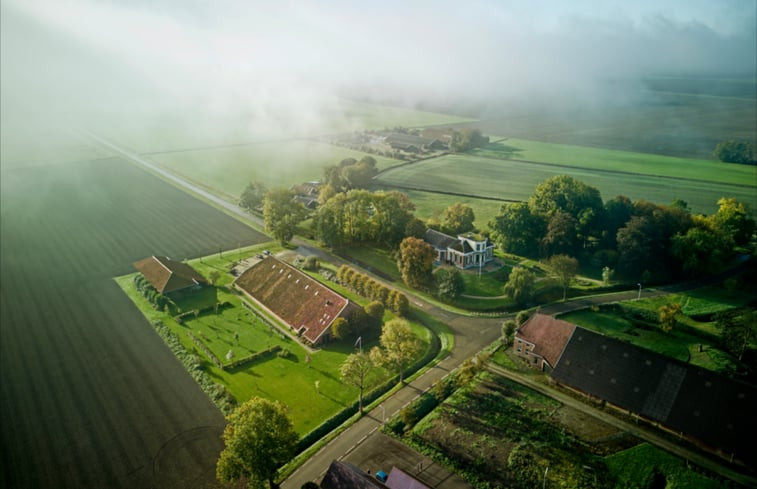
381,475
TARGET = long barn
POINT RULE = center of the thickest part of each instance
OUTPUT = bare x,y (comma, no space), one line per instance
308,307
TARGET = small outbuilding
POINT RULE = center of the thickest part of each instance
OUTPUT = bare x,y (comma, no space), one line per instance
168,275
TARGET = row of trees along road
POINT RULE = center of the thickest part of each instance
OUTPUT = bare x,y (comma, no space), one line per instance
642,240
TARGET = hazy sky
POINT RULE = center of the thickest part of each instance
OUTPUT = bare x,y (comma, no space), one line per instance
75,51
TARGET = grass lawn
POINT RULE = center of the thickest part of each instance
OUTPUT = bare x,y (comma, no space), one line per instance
432,205
278,164
676,344
484,177
645,466
487,284
704,301
623,161
292,379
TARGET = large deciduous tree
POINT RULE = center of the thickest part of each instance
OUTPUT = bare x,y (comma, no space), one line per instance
259,438
399,346
281,213
734,219
520,285
354,371
564,268
416,259
458,218
732,151
737,330
449,283
518,230
253,195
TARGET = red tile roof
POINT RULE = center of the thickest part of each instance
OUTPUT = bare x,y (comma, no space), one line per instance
549,336
293,296
167,275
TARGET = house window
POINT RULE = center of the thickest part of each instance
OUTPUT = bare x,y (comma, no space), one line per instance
535,360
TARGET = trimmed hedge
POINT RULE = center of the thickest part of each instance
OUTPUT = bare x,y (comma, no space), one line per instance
252,358
221,397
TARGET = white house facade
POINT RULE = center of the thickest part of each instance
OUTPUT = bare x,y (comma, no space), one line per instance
465,251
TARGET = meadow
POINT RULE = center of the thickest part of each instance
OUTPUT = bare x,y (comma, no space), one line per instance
90,395
185,128
516,180
228,170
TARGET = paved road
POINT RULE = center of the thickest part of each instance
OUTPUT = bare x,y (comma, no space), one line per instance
471,336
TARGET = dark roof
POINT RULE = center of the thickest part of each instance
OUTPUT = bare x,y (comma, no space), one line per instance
401,140
293,296
401,480
549,336
710,407
440,241
167,275
344,475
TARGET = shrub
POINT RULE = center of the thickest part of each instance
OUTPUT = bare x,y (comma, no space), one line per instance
311,264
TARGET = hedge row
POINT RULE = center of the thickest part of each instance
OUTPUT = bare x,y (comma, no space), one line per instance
251,358
371,289
158,300
193,364
205,350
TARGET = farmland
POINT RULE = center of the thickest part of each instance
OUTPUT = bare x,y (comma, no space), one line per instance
90,395
668,117
516,180
500,434
228,170
171,128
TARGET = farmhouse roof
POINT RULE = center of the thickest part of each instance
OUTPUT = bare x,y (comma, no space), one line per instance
548,335
344,475
440,241
714,409
167,275
293,296
401,480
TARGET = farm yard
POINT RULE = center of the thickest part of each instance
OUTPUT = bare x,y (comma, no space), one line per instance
90,395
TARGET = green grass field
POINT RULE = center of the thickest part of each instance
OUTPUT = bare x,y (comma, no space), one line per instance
515,180
676,344
643,465
90,396
620,161
229,170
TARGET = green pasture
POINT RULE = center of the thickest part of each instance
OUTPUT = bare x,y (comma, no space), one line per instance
516,180
620,161
431,205
704,301
90,394
280,164
676,344
640,466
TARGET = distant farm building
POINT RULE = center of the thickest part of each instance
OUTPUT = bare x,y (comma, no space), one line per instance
305,305
412,143
307,193
463,252
168,276
709,409
343,475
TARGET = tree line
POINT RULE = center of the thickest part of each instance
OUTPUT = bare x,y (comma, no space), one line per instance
640,239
